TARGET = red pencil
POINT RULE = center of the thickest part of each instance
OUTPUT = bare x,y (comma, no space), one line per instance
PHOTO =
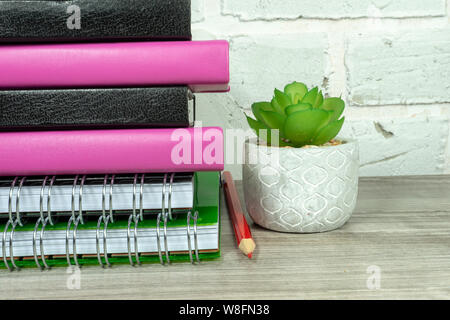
241,230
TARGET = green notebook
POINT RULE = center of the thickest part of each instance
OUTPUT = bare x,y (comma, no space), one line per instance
195,193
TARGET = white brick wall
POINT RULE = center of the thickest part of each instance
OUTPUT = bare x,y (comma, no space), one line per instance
399,68
389,59
331,9
402,146
248,52
197,10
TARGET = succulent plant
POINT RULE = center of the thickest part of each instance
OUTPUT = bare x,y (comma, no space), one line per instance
302,116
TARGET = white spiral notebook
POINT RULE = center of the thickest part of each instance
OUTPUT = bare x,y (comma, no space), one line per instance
82,220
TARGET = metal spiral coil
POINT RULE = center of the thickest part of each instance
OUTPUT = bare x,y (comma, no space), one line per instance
46,216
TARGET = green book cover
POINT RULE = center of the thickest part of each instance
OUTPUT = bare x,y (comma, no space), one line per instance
206,202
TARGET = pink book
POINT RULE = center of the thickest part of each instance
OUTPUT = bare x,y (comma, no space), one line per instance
111,151
203,65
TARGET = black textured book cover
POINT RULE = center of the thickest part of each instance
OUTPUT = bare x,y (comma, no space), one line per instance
154,107
94,20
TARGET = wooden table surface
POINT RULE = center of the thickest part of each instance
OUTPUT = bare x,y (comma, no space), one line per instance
401,228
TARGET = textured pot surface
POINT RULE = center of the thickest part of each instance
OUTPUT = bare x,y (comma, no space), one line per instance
306,190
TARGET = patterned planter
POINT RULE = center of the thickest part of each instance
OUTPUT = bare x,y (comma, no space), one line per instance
307,190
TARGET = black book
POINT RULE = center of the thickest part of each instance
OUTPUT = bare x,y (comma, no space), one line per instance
94,20
112,108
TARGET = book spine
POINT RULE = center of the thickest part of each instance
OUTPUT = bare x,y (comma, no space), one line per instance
87,20
153,107
203,65
111,151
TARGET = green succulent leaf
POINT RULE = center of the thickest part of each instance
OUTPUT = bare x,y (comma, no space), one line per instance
311,96
326,122
296,91
328,132
258,126
301,127
261,106
282,101
275,106
298,98
337,105
297,107
319,100
255,124
273,120
301,116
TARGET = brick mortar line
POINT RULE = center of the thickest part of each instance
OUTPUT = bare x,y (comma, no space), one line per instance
328,19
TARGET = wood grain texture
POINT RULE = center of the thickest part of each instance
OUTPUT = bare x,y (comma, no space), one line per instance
401,225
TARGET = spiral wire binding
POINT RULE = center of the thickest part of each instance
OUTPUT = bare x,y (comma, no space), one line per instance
74,240
158,237
103,218
141,198
11,190
168,215
105,181
41,199
4,247
49,200
164,215
69,225
188,229
22,181
11,246
111,185
10,220
130,258
44,222
170,196
158,220
35,253
71,219
41,242
80,200
14,224
74,187
134,219
77,219
105,248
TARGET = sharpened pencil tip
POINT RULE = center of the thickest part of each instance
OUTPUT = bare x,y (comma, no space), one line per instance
247,246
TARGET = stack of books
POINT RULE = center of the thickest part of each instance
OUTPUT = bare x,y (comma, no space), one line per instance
99,159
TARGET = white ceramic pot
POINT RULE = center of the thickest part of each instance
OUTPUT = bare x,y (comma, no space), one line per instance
306,190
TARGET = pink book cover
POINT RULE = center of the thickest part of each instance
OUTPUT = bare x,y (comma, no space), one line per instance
111,151
202,65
